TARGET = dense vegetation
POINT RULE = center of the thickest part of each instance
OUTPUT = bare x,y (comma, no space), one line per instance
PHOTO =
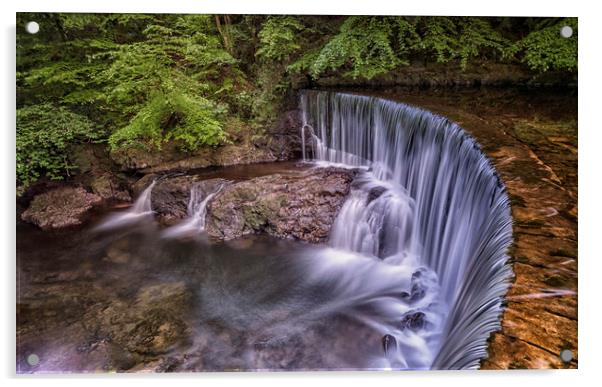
134,80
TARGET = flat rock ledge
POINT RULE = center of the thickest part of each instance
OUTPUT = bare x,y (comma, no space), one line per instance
301,206
60,208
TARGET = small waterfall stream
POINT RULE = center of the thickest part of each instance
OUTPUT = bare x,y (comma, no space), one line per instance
139,210
428,197
197,211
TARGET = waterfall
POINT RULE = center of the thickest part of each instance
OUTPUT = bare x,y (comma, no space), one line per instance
427,193
197,211
139,210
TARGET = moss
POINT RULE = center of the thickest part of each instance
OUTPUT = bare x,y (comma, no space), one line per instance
253,218
246,194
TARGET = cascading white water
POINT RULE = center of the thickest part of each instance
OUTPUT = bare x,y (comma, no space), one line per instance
139,210
197,212
430,197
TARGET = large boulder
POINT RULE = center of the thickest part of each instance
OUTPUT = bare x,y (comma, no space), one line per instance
300,205
60,208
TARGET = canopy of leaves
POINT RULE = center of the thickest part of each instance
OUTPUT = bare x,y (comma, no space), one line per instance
278,37
369,45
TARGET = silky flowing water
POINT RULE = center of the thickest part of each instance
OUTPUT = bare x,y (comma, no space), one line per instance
429,197
412,276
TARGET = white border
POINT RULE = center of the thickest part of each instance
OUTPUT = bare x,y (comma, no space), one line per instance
590,147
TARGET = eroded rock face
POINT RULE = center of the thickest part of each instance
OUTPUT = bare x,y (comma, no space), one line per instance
279,142
109,188
301,206
284,140
170,197
60,208
207,157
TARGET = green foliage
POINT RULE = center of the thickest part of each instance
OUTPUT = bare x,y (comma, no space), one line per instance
191,121
476,36
438,36
545,49
164,80
44,134
369,46
278,37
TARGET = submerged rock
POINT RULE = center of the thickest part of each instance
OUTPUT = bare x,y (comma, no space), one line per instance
301,206
60,208
420,282
150,324
375,193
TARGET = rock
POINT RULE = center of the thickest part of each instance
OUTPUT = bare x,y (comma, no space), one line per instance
142,183
109,188
389,343
170,196
89,158
375,193
150,324
284,138
135,159
301,206
60,208
219,156
413,321
420,282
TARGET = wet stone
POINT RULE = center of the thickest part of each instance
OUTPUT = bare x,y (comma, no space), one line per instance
413,321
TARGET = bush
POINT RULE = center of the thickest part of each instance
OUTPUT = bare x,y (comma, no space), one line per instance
44,134
545,49
189,120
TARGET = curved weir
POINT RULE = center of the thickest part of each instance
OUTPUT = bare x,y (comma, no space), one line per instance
428,195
